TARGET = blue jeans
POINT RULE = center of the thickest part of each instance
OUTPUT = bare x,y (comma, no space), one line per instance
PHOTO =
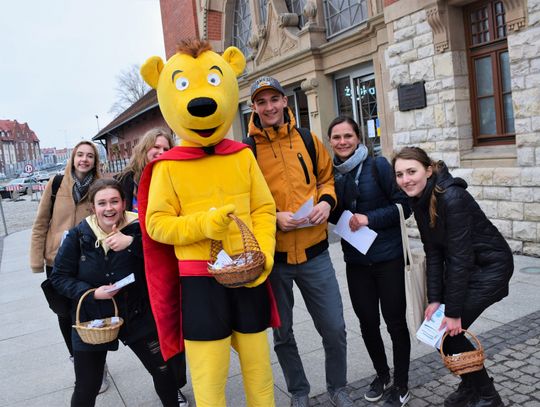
317,282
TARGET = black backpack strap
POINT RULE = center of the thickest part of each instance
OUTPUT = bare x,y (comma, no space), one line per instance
57,180
377,177
307,138
250,141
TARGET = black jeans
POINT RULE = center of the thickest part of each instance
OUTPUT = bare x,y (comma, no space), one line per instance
63,321
456,344
382,283
89,373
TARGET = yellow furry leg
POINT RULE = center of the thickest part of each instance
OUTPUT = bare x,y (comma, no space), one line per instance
209,366
254,353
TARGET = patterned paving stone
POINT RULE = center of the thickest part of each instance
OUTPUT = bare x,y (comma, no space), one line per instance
511,352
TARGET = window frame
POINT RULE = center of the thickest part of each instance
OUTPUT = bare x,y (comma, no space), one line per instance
493,48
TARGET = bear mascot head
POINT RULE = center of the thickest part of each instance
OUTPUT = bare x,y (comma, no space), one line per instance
197,91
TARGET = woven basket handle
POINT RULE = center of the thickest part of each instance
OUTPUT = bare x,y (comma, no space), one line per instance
81,300
479,347
248,239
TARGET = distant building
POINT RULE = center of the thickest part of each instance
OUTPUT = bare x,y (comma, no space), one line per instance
123,133
55,155
18,145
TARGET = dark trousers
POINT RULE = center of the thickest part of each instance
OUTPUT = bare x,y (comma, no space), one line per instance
63,321
456,344
384,284
89,373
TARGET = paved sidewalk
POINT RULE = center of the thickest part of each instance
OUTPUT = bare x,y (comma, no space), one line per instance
35,370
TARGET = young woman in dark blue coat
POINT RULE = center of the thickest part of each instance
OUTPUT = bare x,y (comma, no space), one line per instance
104,248
469,263
366,187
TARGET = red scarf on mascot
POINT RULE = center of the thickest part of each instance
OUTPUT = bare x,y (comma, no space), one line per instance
160,261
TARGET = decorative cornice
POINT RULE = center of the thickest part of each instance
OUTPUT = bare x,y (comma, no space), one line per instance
309,84
288,20
437,18
516,14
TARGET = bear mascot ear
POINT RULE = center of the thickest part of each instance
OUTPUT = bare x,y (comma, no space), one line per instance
235,59
151,70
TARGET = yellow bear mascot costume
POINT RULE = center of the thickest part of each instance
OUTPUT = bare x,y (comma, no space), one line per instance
185,198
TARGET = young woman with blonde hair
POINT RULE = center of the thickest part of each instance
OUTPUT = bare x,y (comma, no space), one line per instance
154,143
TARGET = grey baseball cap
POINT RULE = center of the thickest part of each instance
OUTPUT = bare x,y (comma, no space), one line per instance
263,83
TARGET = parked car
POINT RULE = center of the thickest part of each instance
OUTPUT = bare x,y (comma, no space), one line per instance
42,175
23,186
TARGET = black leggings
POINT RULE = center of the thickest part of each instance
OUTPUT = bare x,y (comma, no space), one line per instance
382,283
89,373
456,344
63,321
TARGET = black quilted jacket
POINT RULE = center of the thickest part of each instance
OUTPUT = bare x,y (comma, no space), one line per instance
469,264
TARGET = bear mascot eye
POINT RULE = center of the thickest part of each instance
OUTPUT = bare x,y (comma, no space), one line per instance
214,79
181,83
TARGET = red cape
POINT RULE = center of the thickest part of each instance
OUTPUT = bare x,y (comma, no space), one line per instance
160,261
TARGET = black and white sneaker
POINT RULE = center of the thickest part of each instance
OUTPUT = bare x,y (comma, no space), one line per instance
182,400
377,388
397,397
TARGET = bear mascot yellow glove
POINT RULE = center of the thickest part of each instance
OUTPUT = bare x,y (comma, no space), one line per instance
185,197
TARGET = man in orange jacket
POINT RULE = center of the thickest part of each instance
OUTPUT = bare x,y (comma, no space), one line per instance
301,245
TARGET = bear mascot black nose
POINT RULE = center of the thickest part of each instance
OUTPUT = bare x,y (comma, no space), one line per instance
202,107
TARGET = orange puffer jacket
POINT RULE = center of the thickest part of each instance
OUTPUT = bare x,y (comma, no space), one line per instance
288,170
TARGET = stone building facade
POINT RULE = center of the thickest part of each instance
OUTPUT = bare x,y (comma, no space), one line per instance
361,57
427,43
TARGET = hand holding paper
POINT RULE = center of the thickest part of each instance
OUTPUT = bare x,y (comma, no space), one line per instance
429,332
121,283
361,239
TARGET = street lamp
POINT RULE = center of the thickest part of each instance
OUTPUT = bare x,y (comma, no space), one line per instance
97,121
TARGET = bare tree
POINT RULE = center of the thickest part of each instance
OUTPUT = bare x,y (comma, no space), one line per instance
130,88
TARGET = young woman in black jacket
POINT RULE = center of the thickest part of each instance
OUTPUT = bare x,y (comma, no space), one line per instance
469,263
365,186
104,248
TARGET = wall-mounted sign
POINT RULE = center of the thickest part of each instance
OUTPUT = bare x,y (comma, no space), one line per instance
412,96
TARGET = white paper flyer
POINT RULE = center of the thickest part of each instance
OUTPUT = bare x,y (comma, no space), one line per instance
429,332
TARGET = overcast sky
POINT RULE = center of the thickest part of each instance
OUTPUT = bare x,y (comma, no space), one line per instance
59,60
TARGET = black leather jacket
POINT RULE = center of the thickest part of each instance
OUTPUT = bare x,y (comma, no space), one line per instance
469,263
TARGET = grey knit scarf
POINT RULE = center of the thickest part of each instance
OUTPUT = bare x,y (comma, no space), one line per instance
80,188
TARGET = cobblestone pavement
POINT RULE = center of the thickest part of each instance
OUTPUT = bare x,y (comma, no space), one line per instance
513,359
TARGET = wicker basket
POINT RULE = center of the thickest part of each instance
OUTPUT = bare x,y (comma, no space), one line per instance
237,276
96,336
464,362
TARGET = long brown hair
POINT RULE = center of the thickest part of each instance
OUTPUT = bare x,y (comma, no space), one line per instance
417,154
95,171
139,159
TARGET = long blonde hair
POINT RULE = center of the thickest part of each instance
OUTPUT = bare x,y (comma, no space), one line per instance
139,158
417,154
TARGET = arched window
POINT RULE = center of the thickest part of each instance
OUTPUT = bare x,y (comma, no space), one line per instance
297,7
242,25
263,11
343,14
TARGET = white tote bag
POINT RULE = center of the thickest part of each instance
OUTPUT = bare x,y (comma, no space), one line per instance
415,280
